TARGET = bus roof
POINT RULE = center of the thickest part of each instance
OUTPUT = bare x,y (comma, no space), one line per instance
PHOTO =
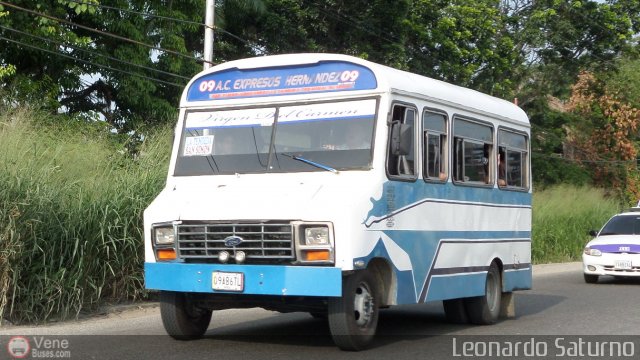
208,87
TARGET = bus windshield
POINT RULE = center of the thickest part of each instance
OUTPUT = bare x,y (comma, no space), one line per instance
288,138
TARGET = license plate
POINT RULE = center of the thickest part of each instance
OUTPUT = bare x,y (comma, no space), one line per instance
623,264
227,281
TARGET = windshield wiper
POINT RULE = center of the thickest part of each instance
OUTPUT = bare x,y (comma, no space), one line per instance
312,163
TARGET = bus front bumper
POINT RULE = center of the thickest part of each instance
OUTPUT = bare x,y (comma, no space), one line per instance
256,279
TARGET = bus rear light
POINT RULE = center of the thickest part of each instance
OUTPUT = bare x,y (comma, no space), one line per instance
166,254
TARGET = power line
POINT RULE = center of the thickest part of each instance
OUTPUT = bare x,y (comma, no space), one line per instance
216,28
94,53
141,13
89,62
352,23
102,32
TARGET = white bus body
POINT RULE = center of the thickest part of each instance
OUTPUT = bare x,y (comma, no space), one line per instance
334,185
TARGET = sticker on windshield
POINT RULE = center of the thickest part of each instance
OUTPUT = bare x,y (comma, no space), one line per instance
198,146
230,118
328,111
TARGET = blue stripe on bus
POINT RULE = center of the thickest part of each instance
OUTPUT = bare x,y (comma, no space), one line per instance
402,194
456,286
422,247
405,294
258,279
521,279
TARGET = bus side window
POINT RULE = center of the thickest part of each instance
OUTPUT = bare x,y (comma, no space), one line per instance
401,155
513,149
435,145
472,152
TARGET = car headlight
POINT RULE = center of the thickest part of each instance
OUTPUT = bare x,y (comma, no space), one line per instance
316,236
164,235
592,252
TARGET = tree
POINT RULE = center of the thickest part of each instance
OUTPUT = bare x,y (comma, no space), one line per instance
93,61
465,42
605,136
508,48
559,39
373,30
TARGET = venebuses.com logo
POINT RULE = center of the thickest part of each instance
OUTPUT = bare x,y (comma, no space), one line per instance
38,347
18,347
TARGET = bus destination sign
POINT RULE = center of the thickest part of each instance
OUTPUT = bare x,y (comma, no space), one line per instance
291,80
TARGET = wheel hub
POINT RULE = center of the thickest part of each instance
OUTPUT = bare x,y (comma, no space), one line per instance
363,305
492,292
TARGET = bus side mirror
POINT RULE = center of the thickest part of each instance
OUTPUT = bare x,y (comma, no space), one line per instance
593,233
401,135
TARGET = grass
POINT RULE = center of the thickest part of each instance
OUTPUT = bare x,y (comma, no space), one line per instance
71,211
562,218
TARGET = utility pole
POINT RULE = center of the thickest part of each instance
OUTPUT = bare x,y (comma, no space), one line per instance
208,34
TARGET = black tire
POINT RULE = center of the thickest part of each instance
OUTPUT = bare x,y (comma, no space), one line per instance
318,315
485,310
353,318
590,279
180,318
455,311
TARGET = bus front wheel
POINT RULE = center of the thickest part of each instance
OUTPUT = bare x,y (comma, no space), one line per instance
485,310
353,317
181,319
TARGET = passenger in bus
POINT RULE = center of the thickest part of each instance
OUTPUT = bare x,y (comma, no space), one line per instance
485,163
502,171
355,137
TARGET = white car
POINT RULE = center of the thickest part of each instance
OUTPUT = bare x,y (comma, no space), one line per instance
615,250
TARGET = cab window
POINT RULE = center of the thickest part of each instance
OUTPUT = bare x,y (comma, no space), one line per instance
401,160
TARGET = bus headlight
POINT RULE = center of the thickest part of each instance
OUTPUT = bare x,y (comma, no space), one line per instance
164,235
314,242
316,236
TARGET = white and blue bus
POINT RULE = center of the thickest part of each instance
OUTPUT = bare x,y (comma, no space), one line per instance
336,186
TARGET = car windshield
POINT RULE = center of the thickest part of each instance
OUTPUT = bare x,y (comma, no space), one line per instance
314,137
622,225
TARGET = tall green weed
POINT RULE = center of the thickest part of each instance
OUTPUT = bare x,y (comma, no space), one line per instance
71,204
562,217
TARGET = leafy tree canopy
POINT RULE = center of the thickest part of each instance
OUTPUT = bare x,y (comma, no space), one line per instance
126,61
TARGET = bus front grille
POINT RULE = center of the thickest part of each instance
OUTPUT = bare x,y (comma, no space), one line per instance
259,241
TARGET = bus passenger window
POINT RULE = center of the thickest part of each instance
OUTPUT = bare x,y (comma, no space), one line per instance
401,154
473,144
514,149
435,145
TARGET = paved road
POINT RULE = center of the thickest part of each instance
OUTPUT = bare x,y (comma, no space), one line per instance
559,313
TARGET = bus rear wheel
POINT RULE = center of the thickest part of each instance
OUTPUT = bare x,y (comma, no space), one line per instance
455,311
353,318
181,319
485,310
